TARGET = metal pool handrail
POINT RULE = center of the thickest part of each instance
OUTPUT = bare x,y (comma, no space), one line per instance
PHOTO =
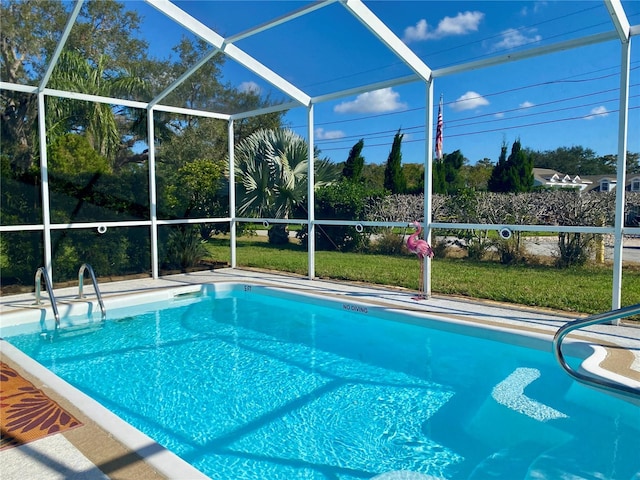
83,267
585,322
42,272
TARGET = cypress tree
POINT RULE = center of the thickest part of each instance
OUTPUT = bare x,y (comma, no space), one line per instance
394,180
497,181
439,184
513,174
355,163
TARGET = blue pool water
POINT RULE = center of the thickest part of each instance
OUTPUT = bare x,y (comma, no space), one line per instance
247,383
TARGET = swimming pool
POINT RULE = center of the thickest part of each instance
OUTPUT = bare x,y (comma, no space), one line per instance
245,381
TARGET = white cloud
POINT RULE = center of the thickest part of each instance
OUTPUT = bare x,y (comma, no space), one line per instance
469,101
499,115
537,6
597,112
527,104
378,101
322,134
461,24
249,87
512,38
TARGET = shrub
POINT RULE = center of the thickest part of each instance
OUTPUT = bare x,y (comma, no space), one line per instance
574,248
388,243
185,248
511,251
344,200
278,234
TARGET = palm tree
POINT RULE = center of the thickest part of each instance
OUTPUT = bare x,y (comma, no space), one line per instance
97,121
271,175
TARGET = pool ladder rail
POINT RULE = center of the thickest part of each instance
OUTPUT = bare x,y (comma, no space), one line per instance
87,267
599,382
42,273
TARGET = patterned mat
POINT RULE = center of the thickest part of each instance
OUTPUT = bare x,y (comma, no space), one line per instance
26,413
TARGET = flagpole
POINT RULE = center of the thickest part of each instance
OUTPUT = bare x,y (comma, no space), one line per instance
439,129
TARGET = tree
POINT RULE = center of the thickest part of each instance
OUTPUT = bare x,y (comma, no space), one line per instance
27,41
522,167
71,153
414,175
498,179
446,173
355,163
97,121
477,176
373,175
197,184
394,180
343,200
512,174
271,175
575,160
633,163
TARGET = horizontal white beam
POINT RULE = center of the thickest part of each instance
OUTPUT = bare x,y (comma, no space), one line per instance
263,111
302,221
193,221
524,228
190,111
17,87
94,98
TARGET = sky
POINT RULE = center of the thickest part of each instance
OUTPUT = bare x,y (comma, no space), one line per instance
565,99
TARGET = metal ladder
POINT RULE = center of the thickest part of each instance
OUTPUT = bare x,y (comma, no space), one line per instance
87,267
42,272
585,322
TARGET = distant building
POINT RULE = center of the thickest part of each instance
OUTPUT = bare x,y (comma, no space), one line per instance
546,177
603,183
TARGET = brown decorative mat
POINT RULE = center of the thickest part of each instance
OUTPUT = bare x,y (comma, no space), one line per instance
26,413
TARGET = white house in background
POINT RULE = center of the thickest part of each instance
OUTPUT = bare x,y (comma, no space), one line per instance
546,177
607,183
603,183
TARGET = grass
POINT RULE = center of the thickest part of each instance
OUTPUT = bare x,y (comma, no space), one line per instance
580,289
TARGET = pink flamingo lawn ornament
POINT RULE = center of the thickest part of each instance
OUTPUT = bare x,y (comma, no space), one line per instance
422,249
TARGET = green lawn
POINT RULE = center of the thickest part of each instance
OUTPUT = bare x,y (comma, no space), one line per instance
584,289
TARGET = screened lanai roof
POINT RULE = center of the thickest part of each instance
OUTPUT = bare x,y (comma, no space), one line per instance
272,42
327,53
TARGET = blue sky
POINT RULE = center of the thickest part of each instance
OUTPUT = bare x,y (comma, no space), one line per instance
558,100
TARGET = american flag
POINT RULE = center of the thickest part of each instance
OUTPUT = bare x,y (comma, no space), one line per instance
439,132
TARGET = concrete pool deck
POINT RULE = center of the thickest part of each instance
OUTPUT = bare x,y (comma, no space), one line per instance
104,448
